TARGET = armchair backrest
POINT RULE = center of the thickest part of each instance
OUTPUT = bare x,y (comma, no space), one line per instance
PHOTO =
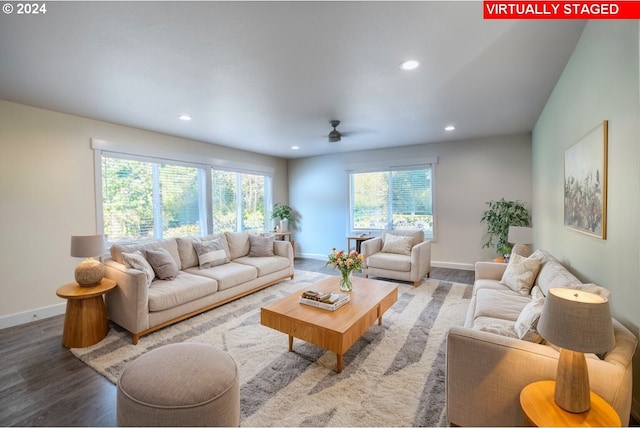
417,235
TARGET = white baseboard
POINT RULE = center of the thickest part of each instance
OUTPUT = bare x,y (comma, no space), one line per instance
447,265
453,265
25,317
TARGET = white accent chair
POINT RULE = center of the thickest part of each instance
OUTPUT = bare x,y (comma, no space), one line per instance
411,266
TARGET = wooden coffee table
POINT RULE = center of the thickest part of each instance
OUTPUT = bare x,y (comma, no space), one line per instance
332,330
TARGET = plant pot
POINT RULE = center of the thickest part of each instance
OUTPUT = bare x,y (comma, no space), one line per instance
284,225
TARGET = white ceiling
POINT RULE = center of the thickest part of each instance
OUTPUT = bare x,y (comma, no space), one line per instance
264,76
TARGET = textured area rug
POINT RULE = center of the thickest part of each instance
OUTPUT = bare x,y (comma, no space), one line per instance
393,375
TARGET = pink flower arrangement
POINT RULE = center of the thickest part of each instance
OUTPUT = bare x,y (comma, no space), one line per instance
345,261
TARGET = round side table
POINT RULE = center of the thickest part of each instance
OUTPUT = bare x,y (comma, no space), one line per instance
540,409
85,321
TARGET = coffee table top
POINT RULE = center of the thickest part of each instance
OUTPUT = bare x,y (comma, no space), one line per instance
366,294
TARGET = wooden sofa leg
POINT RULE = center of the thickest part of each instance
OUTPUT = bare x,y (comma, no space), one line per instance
415,283
135,338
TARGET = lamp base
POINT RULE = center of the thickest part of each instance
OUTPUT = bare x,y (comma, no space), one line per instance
522,250
572,382
89,272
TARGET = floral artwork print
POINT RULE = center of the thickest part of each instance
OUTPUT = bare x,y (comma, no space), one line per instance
585,183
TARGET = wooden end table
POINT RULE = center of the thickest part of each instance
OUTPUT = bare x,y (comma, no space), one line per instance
359,239
85,321
540,409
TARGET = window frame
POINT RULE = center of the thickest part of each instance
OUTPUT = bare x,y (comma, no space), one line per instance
389,166
205,167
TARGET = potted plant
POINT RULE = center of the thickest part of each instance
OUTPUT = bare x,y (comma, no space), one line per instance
498,217
285,214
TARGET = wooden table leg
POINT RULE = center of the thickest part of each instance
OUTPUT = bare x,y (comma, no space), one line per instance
290,343
85,322
339,363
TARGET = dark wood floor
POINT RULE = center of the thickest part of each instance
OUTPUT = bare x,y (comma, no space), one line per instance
43,384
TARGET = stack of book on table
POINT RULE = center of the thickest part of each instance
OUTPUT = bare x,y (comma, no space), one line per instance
328,301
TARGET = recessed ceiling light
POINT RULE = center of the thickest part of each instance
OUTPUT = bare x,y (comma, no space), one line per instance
411,64
184,117
295,147
450,128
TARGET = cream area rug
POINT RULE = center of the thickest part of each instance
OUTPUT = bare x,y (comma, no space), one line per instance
393,375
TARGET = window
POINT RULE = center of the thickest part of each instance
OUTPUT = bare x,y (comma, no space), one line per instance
144,198
238,201
394,198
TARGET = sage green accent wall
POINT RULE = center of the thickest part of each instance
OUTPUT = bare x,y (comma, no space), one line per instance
600,82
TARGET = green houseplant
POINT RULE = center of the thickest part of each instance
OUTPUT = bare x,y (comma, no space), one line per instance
283,212
498,217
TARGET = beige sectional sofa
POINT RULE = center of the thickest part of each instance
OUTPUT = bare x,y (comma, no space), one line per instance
163,282
498,351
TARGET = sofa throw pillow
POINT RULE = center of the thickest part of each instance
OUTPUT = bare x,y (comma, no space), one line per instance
261,246
527,322
397,244
210,253
136,260
162,263
521,273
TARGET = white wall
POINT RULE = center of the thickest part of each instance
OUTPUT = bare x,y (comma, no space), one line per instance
468,174
47,195
601,81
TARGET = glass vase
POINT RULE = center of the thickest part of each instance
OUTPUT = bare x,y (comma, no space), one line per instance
345,280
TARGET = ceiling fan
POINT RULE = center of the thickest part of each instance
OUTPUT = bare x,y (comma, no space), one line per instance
335,135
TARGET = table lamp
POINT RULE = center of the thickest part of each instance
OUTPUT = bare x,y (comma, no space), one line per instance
521,237
90,271
577,321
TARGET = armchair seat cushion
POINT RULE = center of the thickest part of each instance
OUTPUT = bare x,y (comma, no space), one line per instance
390,261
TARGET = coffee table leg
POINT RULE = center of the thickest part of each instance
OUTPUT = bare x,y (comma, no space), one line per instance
339,368
290,343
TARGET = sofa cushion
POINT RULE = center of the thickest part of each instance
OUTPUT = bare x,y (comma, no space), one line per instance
188,255
238,244
527,322
390,261
171,245
552,273
496,326
210,253
182,289
162,263
136,260
261,246
499,304
265,265
521,273
397,244
227,275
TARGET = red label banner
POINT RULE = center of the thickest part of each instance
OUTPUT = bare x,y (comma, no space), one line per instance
561,9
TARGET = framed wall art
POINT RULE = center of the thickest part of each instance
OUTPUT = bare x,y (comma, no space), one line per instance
585,183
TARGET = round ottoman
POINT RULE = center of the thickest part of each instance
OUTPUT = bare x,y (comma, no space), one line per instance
183,384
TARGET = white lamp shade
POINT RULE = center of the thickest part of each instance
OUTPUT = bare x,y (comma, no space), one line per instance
520,235
87,246
577,320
